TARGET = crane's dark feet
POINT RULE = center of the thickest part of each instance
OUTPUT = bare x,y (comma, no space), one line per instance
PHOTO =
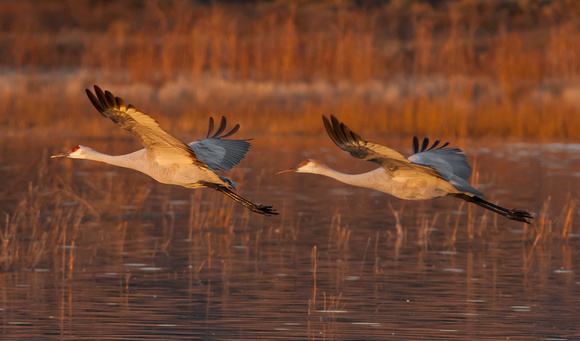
263,209
519,215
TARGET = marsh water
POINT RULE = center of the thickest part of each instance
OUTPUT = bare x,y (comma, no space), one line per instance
91,251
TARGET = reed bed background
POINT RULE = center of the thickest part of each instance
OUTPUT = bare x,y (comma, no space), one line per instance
448,68
394,68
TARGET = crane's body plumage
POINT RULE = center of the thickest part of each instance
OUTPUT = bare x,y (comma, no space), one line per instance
431,172
167,159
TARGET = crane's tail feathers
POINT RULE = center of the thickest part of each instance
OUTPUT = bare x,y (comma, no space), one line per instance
261,209
514,214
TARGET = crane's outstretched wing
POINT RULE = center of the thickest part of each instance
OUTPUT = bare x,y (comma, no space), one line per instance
351,142
160,145
218,153
451,163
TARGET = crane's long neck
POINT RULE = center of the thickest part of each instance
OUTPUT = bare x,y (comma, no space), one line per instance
369,179
132,160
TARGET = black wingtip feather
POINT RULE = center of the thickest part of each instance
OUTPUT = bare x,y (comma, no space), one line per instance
119,102
221,129
330,130
349,138
100,95
233,131
434,144
110,99
340,133
95,101
210,129
425,144
105,100
337,128
415,145
327,125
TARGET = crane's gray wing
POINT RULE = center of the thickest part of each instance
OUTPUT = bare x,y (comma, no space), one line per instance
218,153
392,160
160,145
451,163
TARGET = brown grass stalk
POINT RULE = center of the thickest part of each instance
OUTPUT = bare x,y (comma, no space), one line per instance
568,213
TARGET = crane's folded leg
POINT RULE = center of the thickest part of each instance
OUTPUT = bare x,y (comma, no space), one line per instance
261,209
515,214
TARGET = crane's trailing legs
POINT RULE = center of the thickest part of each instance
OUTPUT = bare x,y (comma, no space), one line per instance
262,209
515,214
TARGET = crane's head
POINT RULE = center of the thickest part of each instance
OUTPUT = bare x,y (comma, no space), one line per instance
310,166
78,152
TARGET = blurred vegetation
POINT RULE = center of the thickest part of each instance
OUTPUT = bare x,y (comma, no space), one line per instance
444,68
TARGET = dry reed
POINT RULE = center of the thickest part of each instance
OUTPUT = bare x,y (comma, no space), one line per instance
339,236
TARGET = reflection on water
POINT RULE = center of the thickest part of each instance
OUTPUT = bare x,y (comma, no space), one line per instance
115,255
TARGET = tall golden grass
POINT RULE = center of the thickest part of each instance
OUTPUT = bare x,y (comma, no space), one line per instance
473,68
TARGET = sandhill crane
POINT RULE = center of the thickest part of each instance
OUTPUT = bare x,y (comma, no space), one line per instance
431,172
167,159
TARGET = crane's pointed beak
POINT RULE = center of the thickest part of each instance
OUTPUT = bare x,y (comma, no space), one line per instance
61,155
291,170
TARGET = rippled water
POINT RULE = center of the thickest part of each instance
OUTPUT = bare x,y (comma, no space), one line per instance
154,265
